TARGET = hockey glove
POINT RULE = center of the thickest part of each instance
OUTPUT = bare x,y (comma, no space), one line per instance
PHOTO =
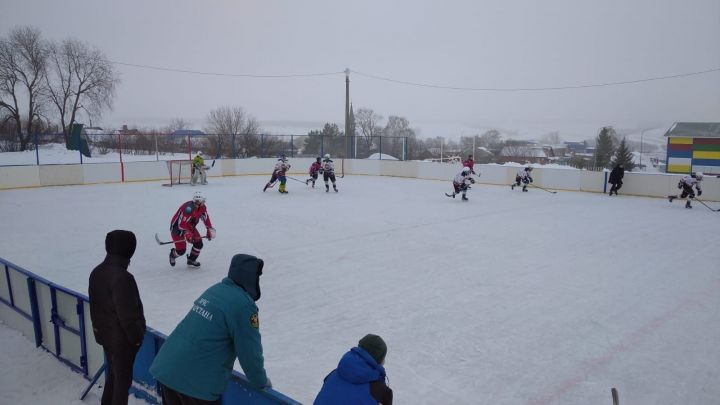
680,184
472,181
530,178
699,193
189,236
211,233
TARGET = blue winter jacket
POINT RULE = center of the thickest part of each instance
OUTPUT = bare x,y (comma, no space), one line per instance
197,358
350,382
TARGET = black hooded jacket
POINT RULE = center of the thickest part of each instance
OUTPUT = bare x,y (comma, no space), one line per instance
616,175
115,307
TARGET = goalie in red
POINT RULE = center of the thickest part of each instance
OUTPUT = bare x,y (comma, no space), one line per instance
183,229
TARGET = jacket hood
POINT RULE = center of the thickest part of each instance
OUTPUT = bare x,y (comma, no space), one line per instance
358,367
245,271
120,243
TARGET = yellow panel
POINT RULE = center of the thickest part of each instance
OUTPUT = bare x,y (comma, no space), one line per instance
703,154
678,169
684,141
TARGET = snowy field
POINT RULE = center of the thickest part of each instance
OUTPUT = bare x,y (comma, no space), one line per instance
510,298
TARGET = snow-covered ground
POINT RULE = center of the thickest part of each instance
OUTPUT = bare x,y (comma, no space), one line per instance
55,153
510,298
33,376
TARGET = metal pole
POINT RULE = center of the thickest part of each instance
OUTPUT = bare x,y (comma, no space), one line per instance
157,153
347,112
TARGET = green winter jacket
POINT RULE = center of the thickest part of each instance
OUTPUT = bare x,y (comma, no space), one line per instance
197,358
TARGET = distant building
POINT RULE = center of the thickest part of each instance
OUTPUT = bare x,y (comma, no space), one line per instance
185,132
693,147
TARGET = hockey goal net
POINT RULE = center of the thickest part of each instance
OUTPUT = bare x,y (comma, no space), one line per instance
180,172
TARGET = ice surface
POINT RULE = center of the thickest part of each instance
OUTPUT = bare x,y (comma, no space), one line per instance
510,298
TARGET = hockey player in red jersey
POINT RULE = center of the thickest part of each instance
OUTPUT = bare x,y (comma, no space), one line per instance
281,167
315,169
183,229
469,163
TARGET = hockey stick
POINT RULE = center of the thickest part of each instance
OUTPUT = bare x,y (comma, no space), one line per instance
93,381
299,181
157,239
544,189
708,207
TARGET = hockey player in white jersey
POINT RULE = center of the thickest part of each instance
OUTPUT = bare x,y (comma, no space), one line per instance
461,183
523,176
328,170
686,184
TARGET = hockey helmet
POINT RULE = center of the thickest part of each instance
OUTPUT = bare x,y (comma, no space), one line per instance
199,153
282,158
198,198
528,169
699,176
318,159
327,156
466,170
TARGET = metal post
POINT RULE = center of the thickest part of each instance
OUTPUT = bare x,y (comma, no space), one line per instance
322,145
37,150
292,147
122,166
380,146
157,153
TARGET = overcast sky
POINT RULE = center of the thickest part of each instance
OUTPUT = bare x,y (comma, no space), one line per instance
474,44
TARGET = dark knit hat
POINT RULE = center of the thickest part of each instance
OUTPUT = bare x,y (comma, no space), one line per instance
375,346
121,243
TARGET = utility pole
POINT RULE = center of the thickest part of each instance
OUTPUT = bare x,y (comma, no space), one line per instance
347,113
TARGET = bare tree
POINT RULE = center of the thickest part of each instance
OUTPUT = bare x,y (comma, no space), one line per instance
22,76
551,138
231,122
369,125
79,76
176,124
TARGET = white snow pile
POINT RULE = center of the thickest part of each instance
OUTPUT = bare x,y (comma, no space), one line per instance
382,156
33,376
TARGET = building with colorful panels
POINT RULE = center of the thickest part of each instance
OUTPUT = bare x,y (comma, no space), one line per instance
693,147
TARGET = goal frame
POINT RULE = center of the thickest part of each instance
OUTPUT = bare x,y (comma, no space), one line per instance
179,171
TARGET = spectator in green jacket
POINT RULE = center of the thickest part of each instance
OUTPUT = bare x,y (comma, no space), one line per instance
195,363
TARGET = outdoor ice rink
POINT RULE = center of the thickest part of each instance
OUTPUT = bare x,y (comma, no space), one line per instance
510,298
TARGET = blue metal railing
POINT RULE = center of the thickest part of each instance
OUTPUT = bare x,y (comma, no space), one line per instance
144,384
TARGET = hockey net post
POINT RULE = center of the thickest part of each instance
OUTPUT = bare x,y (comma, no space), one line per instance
180,172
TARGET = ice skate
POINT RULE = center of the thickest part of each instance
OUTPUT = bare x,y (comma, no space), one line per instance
172,257
687,204
512,187
327,188
335,188
193,262
671,198
464,198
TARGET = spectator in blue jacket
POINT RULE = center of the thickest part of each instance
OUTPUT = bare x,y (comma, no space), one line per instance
359,377
195,363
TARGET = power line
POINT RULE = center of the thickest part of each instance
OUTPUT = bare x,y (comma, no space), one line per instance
426,85
164,69
509,89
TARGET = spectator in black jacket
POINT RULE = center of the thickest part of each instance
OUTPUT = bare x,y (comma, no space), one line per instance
616,176
117,315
